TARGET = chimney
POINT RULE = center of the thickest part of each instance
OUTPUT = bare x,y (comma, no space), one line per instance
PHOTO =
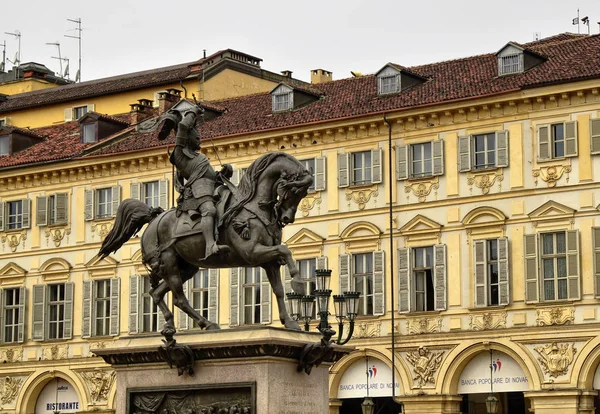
320,76
168,98
287,73
140,112
3,97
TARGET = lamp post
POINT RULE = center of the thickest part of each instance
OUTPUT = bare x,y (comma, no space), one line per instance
346,306
491,402
367,406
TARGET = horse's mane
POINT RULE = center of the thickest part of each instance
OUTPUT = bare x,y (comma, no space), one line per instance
248,183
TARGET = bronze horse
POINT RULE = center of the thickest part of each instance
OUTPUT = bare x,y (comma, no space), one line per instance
266,200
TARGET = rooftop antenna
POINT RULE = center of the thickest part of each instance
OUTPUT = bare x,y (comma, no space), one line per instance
537,36
3,63
78,37
576,21
59,58
65,75
17,60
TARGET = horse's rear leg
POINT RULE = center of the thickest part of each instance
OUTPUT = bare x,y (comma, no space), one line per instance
171,274
158,293
274,275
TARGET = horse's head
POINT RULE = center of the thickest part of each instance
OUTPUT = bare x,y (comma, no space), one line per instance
291,189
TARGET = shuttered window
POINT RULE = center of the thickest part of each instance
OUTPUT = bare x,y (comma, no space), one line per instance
420,160
491,279
12,315
595,136
558,140
552,270
153,193
364,273
52,210
144,315
101,307
283,101
389,84
53,311
102,202
316,166
510,64
15,215
482,151
359,168
422,279
250,296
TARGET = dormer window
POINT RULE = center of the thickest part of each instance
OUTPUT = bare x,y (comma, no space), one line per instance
4,145
393,79
89,132
291,97
282,101
513,58
510,64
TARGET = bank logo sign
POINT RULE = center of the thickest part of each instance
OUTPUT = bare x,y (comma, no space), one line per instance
362,378
506,375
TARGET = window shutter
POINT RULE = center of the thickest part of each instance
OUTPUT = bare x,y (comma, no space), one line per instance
543,137
265,298
439,276
531,269
134,303
68,331
287,286
320,173
402,162
86,321
464,153
21,321
378,283
135,191
115,294
502,148
571,139
322,262
26,213
2,209
404,281
116,198
343,170
376,155
573,263
39,312
213,295
503,271
88,213
345,273
68,114
379,85
438,157
595,136
41,204
91,107
163,194
1,314
61,208
234,295
596,244
480,272
183,319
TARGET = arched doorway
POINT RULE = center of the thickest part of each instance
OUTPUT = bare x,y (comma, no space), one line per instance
368,377
58,395
506,379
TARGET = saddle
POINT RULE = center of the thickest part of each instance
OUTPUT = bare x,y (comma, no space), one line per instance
187,226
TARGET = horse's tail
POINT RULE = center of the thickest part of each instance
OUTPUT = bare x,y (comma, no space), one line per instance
131,216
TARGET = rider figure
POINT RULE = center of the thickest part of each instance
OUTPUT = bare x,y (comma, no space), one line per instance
198,189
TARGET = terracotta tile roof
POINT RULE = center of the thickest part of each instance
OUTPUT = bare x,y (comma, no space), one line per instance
123,119
130,81
570,58
22,131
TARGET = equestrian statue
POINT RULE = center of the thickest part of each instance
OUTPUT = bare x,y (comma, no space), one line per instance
215,224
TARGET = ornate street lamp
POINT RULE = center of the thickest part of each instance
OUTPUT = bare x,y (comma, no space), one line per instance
367,406
346,306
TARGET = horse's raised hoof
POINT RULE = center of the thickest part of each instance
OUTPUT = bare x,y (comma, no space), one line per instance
293,325
212,326
298,287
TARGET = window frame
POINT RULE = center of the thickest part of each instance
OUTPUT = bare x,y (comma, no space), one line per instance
202,289
426,271
486,152
82,108
366,300
154,314
236,299
17,224
7,139
52,210
17,309
392,86
60,305
483,264
554,257
254,287
510,68
91,300
347,279
85,139
283,101
546,141
467,153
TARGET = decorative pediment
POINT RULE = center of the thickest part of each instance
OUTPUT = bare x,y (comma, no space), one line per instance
102,267
482,217
553,213
12,273
421,229
306,243
55,269
361,236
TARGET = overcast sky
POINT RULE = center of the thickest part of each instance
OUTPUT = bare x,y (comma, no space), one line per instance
360,35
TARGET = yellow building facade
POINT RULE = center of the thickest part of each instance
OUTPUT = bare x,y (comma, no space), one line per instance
488,197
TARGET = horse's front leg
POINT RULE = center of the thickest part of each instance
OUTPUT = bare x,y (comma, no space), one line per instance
265,254
274,275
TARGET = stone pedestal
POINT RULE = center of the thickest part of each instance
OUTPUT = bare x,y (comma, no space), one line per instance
261,361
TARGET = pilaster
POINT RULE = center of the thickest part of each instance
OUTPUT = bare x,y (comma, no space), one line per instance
334,406
569,401
431,404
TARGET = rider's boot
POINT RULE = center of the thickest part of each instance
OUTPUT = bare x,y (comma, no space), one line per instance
212,248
